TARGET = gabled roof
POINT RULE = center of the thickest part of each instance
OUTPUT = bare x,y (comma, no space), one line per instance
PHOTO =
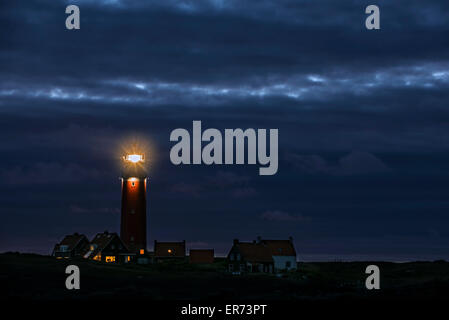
71,241
100,242
280,247
169,249
254,252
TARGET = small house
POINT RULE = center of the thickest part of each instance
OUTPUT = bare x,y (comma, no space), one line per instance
108,247
201,256
73,245
169,250
249,257
283,253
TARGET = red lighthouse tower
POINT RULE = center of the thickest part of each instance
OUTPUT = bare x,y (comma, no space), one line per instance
133,228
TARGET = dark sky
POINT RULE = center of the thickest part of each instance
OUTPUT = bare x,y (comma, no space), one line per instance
363,119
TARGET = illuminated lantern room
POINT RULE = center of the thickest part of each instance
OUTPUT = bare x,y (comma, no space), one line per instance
134,158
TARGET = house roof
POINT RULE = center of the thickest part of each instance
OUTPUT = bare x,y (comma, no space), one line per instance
169,249
280,247
254,252
71,241
100,242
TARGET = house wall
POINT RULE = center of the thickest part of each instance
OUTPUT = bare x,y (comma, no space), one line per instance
114,248
201,256
169,250
259,267
248,267
236,263
281,261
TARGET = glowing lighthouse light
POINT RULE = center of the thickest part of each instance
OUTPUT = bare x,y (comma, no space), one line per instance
134,158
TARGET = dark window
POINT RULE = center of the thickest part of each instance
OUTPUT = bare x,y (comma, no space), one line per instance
288,264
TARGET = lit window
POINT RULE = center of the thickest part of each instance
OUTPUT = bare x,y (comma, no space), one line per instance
142,251
133,181
129,258
110,258
97,257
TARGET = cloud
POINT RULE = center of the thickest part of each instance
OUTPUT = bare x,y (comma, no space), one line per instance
277,215
244,192
224,182
188,189
354,163
309,164
166,66
49,173
237,185
357,163
226,179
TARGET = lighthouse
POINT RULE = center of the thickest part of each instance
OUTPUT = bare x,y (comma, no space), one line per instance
133,226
